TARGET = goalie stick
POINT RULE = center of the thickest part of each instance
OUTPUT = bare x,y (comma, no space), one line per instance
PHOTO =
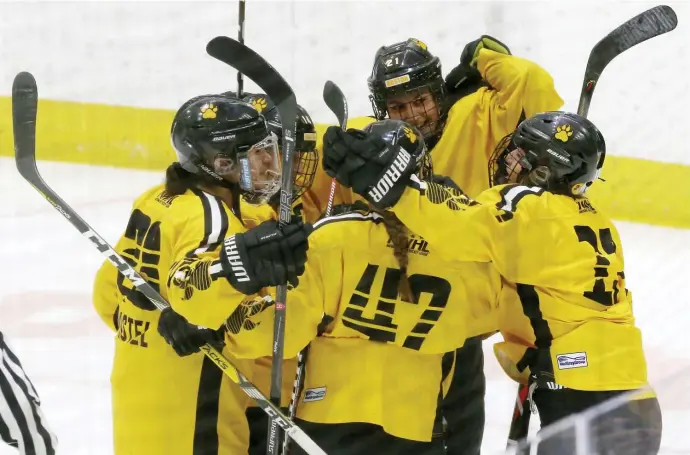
337,103
646,25
24,111
252,65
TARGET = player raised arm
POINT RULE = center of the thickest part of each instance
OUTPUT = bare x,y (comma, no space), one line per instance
517,87
490,228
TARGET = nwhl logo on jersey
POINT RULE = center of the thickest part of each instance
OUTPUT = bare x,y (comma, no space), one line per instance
391,176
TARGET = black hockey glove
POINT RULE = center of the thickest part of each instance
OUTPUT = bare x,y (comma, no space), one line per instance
466,76
266,255
445,181
372,168
186,338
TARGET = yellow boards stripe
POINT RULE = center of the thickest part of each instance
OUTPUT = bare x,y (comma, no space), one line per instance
96,134
644,191
636,190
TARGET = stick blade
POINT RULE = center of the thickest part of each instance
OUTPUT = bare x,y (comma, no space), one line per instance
246,61
336,102
653,22
24,110
646,25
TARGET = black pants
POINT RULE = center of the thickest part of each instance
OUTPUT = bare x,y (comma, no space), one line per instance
258,429
632,427
362,439
340,439
22,424
463,405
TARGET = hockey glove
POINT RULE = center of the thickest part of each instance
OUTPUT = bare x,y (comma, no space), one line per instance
466,75
372,168
445,181
266,255
183,337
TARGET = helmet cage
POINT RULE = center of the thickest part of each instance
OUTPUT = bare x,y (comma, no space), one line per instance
416,78
306,163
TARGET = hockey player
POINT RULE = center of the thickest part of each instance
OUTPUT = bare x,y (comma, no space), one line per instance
22,423
462,118
565,313
380,309
166,401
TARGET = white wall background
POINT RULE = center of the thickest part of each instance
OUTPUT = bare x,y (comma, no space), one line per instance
152,54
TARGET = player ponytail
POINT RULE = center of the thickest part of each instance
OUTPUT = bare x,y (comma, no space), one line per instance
178,180
397,232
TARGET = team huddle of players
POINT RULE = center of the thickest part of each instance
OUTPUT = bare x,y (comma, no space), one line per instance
460,212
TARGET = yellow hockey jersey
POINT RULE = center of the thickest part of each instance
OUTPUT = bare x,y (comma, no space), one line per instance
163,403
374,338
564,293
477,122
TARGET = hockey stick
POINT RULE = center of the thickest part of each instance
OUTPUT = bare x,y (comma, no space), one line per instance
337,103
240,38
519,425
653,22
252,65
24,110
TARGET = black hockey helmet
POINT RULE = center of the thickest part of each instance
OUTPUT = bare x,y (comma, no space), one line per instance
559,151
406,68
211,127
306,154
397,132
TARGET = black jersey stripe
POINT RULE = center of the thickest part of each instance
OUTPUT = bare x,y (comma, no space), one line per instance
352,216
529,298
207,410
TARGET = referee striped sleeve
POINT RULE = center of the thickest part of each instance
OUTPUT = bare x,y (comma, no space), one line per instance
23,421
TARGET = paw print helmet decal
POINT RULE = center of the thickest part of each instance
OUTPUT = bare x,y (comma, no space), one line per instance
227,142
208,111
559,151
563,132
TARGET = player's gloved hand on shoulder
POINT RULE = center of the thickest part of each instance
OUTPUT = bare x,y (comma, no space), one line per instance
470,54
372,168
183,337
266,255
445,181
466,73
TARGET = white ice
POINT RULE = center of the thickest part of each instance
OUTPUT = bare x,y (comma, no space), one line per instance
46,312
